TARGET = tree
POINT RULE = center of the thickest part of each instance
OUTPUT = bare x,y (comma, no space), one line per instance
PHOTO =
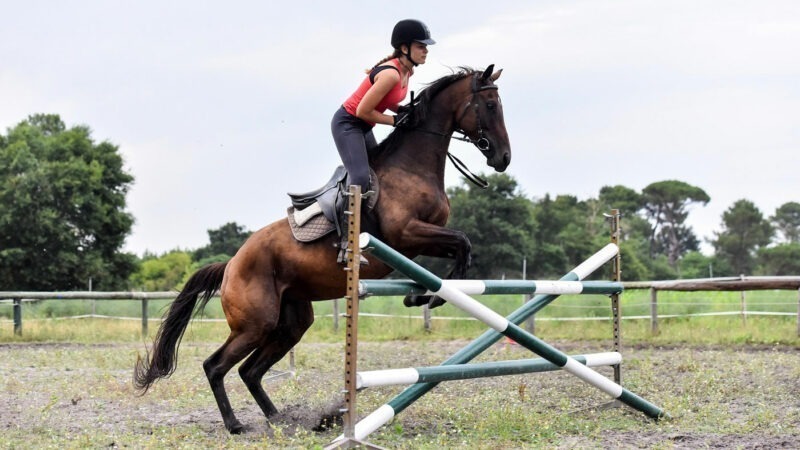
744,232
780,260
498,222
62,208
567,232
667,206
696,265
625,199
224,240
162,273
787,221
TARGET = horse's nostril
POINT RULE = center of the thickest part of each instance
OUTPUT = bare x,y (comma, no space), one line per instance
506,159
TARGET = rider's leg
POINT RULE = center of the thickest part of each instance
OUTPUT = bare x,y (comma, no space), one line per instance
350,137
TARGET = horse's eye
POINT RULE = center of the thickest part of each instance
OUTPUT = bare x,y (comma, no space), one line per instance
491,106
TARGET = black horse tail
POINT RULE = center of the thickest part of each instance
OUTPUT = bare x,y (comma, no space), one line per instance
163,360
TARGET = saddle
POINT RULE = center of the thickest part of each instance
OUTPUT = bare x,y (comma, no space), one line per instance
319,212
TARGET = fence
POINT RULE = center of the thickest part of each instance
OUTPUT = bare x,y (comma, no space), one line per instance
741,284
17,299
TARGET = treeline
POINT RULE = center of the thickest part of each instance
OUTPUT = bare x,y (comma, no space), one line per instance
63,222
554,234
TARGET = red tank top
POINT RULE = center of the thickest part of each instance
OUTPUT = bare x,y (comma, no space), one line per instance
392,98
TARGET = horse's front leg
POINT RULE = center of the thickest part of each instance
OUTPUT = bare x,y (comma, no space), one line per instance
427,239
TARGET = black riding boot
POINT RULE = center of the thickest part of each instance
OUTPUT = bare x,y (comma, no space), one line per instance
369,224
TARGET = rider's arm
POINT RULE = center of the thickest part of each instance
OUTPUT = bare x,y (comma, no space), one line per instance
384,82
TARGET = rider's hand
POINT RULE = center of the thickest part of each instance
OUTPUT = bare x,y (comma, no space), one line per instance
403,117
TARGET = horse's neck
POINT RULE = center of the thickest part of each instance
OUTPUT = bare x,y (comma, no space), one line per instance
421,155
424,153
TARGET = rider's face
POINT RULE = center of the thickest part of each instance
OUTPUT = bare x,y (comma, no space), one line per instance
419,52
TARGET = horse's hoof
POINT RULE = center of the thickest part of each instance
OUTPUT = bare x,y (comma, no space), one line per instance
236,428
416,300
435,302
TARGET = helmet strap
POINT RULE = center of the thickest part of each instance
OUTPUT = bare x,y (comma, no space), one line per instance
408,55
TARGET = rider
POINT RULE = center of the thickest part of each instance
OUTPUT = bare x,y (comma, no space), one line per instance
385,85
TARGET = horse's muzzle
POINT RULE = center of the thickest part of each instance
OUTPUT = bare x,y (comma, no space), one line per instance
500,160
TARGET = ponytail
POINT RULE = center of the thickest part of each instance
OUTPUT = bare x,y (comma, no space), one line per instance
396,54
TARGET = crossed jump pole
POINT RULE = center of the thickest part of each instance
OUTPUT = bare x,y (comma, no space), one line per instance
354,433
411,394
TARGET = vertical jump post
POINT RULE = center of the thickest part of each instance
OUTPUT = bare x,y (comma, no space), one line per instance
349,417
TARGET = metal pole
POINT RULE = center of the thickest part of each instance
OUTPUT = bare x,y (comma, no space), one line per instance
351,339
18,316
616,275
349,416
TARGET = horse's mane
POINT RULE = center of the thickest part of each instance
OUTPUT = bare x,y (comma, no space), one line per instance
423,102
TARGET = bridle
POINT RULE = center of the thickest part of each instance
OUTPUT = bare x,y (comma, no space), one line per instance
482,143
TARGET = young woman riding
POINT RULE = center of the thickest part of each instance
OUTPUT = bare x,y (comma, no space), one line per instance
384,87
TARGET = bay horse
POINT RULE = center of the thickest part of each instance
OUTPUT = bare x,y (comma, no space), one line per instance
267,288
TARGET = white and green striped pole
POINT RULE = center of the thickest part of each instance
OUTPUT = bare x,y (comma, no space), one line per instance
412,375
500,326
492,287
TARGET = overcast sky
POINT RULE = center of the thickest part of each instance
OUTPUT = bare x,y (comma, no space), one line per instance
220,108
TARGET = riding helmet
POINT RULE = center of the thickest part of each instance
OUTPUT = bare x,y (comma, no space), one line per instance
410,30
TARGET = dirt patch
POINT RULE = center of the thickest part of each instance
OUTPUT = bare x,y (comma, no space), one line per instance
719,397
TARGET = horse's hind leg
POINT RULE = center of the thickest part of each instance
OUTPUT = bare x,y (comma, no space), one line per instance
218,364
296,317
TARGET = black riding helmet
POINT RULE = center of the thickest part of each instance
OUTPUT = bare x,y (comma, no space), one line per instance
408,31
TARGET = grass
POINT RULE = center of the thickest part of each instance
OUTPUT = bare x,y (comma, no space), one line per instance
79,396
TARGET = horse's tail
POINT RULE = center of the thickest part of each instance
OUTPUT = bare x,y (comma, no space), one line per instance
162,360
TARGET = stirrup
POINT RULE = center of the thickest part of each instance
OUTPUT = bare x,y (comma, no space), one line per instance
341,257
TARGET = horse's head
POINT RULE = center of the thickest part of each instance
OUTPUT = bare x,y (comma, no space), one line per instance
465,102
480,118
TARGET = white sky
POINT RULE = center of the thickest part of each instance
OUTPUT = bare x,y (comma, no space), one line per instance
221,108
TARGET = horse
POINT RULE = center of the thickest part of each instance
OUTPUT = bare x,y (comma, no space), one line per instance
267,288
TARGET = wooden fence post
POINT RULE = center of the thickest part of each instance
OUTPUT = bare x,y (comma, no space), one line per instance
144,317
426,317
653,311
530,324
336,314
18,316
744,303
798,312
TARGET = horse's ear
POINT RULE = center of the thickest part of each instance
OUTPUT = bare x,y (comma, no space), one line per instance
488,72
496,75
